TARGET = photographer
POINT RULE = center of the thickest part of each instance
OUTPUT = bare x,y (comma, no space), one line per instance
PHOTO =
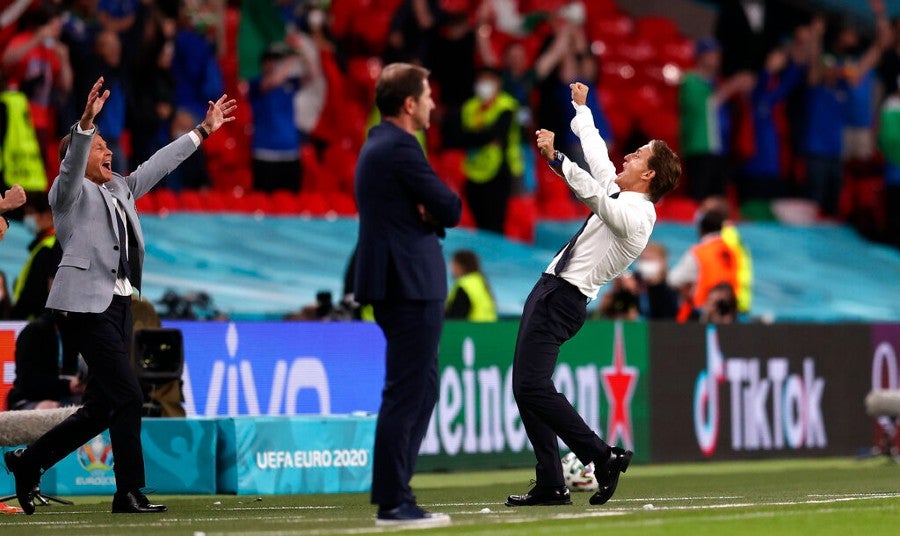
708,263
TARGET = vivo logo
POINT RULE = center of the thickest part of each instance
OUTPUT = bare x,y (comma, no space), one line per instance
232,381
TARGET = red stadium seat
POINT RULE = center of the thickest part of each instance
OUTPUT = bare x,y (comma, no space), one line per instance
285,202
166,200
341,203
521,217
189,201
146,204
656,29
312,204
676,208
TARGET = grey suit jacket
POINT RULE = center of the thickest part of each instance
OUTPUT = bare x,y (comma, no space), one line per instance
83,213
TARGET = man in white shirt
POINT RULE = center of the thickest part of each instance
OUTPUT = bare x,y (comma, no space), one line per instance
609,241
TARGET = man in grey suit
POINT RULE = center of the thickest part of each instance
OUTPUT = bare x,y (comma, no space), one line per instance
103,252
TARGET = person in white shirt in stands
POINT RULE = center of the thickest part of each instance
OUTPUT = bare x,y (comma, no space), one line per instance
621,220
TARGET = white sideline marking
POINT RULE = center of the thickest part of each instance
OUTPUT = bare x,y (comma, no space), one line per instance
698,498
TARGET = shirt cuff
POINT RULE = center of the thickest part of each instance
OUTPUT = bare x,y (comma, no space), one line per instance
583,119
195,138
80,130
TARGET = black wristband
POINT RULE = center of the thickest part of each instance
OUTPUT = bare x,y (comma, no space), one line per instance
203,132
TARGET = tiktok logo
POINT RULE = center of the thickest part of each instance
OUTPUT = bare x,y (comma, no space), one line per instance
706,395
770,407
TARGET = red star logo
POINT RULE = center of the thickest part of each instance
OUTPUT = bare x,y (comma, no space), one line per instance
619,382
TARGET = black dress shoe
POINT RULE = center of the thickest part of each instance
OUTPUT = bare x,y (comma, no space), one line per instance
27,479
608,475
134,502
541,496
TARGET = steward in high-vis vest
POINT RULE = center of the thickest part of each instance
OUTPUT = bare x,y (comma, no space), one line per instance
20,154
470,296
491,132
704,266
32,285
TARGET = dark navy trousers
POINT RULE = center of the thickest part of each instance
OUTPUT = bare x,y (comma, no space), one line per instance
554,312
412,329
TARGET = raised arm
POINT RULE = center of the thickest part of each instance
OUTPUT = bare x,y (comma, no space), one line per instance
593,193
592,145
164,161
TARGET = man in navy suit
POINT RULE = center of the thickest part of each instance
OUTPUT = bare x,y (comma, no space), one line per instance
403,210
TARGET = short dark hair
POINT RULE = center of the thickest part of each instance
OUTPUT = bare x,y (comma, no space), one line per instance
38,201
397,82
467,260
667,166
711,222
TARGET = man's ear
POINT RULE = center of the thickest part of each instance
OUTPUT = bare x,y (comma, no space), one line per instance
408,104
648,175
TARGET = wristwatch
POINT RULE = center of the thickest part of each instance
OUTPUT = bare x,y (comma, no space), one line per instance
557,159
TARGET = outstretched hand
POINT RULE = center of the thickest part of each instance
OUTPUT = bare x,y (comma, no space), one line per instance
218,113
579,93
95,102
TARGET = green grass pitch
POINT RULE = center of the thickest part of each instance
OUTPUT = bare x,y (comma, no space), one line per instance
797,497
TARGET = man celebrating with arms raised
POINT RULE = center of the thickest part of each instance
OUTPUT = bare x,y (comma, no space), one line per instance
621,220
103,254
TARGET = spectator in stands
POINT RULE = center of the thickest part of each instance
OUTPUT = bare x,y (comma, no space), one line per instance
579,64
39,383
656,299
703,266
762,175
276,140
720,306
889,142
749,29
705,120
107,63
494,160
889,65
826,99
620,302
154,85
732,237
859,71
12,199
37,63
79,30
5,300
470,296
32,285
10,12
412,29
521,76
198,78
20,153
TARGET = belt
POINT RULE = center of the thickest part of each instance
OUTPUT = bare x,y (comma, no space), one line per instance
565,284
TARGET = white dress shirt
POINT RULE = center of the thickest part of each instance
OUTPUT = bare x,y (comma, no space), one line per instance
618,229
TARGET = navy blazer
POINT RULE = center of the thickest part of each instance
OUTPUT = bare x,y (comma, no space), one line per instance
399,256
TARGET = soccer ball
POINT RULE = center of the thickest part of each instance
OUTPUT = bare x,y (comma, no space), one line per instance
578,476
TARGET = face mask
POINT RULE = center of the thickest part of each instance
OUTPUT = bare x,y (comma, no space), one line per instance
30,222
485,90
649,270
